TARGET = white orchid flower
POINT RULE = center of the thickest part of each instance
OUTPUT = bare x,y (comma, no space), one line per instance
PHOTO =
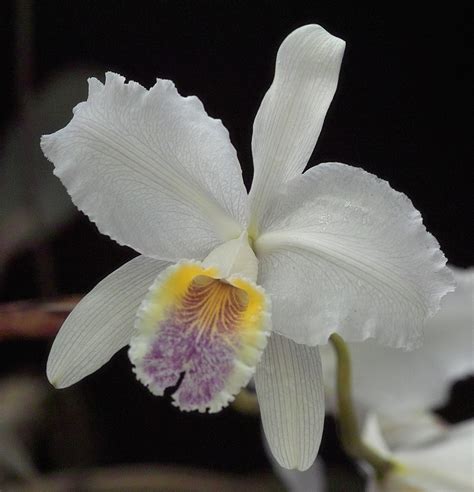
335,248
438,465
409,430
400,383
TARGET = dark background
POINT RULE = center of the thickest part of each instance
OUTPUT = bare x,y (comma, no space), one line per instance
401,111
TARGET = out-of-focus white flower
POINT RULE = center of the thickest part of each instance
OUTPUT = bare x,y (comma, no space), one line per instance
20,401
396,382
336,248
411,429
444,463
33,204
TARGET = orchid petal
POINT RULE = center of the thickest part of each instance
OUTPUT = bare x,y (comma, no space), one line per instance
290,393
437,466
420,380
343,252
411,430
102,323
444,465
290,118
151,169
452,329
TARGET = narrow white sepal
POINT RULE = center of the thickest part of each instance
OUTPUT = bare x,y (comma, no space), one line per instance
290,393
290,118
102,323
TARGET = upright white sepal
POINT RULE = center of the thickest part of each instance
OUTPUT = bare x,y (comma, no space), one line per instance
290,118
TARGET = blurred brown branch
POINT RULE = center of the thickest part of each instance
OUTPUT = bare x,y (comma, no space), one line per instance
151,477
35,319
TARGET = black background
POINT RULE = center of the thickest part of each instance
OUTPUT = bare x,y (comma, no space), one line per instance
402,111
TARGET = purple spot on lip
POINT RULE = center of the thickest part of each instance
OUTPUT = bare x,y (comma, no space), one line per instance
207,361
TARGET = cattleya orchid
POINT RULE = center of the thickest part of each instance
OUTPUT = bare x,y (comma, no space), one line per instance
439,464
335,248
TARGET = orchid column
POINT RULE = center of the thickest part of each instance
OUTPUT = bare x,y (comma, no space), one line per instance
229,285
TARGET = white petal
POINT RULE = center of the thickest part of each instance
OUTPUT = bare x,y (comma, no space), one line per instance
451,331
344,252
102,323
289,388
444,465
292,112
394,381
151,169
410,430
437,466
373,437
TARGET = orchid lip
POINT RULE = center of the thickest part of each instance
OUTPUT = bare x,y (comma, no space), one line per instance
209,328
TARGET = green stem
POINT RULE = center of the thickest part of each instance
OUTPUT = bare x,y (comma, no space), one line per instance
348,425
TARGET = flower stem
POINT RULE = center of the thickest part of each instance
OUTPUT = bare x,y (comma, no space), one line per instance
348,425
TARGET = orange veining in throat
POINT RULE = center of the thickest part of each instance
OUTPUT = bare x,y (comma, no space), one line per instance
212,305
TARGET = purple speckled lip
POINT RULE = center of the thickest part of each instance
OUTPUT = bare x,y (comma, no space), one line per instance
200,338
